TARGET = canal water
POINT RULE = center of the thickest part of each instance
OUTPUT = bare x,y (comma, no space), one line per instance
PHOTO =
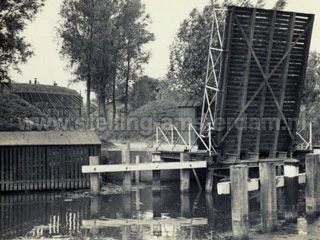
141,215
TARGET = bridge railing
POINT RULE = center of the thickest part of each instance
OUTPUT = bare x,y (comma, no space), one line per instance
188,138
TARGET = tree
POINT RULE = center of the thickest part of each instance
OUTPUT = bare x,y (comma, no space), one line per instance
77,32
134,22
144,90
103,41
14,16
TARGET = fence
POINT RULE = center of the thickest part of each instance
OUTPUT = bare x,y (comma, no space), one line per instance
44,167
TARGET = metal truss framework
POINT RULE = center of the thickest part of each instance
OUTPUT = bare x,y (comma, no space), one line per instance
213,73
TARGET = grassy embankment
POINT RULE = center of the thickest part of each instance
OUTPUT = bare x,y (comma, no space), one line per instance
142,122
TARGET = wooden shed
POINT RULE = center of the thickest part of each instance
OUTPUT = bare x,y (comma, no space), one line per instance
46,160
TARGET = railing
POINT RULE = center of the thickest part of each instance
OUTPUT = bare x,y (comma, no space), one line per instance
171,136
306,144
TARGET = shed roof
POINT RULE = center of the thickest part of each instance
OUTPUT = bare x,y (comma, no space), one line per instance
49,138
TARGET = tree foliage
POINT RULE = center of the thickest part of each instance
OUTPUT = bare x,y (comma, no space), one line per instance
312,81
103,40
280,4
14,16
144,90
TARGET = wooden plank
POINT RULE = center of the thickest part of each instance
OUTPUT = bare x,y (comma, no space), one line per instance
81,183
47,168
19,169
84,160
267,69
54,167
36,168
64,167
40,167
245,80
69,166
68,152
27,167
23,168
2,170
44,168
98,223
143,167
223,188
57,168
6,164
283,84
14,169
11,166
50,163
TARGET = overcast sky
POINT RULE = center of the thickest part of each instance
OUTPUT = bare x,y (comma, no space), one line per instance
47,65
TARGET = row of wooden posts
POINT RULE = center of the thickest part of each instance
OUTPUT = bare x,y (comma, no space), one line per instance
239,183
184,165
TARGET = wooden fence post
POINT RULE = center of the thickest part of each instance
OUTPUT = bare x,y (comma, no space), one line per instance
94,177
291,189
268,195
156,174
184,174
126,176
239,201
312,184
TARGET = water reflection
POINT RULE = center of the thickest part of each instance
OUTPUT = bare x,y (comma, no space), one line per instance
144,214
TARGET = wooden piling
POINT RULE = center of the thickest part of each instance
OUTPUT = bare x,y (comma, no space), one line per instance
291,189
312,184
268,195
302,226
137,173
211,213
127,214
126,176
94,211
239,201
185,205
209,180
184,174
156,174
94,177
156,204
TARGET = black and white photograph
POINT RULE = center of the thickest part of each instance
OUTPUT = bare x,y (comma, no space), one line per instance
160,119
